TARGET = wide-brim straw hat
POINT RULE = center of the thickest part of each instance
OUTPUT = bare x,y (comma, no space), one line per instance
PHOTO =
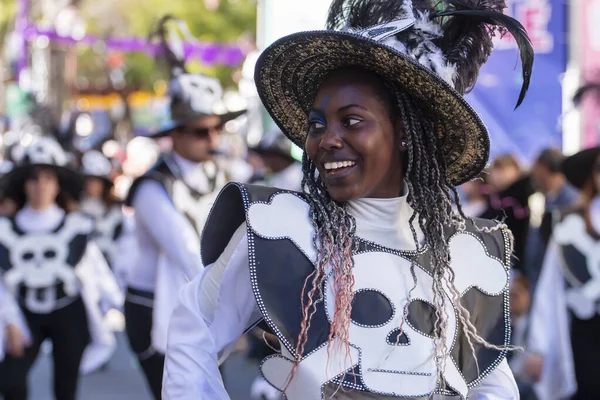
290,71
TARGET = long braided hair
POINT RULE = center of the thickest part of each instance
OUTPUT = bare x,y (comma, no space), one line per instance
431,197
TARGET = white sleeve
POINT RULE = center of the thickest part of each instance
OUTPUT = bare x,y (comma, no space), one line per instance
549,331
10,313
498,385
171,231
213,312
107,285
9,310
127,251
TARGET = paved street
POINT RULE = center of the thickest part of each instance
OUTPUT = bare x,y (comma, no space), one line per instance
123,380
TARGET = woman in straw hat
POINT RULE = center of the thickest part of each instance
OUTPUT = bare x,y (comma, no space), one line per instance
54,271
565,318
373,286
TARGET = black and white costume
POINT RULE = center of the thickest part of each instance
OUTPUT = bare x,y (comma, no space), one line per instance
565,317
59,277
108,218
245,283
171,202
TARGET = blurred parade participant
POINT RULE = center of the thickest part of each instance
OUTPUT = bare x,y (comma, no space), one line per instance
509,202
99,202
474,200
565,318
55,271
279,168
7,205
171,203
364,276
548,179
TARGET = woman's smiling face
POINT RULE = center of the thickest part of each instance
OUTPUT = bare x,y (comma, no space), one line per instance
353,139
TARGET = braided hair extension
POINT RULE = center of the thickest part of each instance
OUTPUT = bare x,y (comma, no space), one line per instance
431,197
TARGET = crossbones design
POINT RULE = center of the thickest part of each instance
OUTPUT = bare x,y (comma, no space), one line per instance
582,299
39,260
404,368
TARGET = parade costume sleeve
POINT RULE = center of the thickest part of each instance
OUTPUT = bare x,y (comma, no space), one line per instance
549,330
498,385
10,313
170,230
214,310
127,252
106,282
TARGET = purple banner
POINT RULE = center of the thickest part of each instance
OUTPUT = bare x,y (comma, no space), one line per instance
208,53
535,124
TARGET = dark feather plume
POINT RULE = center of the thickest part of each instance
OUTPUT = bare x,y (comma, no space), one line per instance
469,26
364,13
173,62
592,87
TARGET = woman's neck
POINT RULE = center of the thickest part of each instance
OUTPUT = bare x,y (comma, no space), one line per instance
40,207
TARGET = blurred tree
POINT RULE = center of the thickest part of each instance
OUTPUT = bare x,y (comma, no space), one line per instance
230,20
7,16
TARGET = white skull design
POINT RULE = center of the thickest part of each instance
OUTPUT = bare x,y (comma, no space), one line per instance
582,298
200,91
40,260
390,364
43,150
407,368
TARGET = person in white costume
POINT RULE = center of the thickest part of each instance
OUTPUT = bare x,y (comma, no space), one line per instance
562,342
171,203
55,271
374,287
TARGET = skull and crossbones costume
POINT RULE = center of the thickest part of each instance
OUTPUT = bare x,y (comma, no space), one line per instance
261,248
565,315
171,203
58,276
108,216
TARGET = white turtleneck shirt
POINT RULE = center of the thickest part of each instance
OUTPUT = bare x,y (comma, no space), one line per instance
218,306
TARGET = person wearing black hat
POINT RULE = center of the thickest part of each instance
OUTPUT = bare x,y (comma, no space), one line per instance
54,271
565,317
171,202
99,202
279,168
373,285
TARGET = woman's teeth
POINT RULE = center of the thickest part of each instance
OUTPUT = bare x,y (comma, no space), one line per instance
338,164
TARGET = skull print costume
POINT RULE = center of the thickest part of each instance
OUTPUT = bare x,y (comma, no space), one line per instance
57,275
565,315
348,293
171,202
275,231
108,216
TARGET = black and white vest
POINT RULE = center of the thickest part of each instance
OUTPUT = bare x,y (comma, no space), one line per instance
382,359
187,200
109,227
40,267
580,252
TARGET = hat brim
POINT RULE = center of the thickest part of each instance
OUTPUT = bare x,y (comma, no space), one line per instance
173,125
70,180
106,180
578,167
291,70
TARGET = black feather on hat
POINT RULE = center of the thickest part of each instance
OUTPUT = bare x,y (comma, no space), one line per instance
193,96
431,50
